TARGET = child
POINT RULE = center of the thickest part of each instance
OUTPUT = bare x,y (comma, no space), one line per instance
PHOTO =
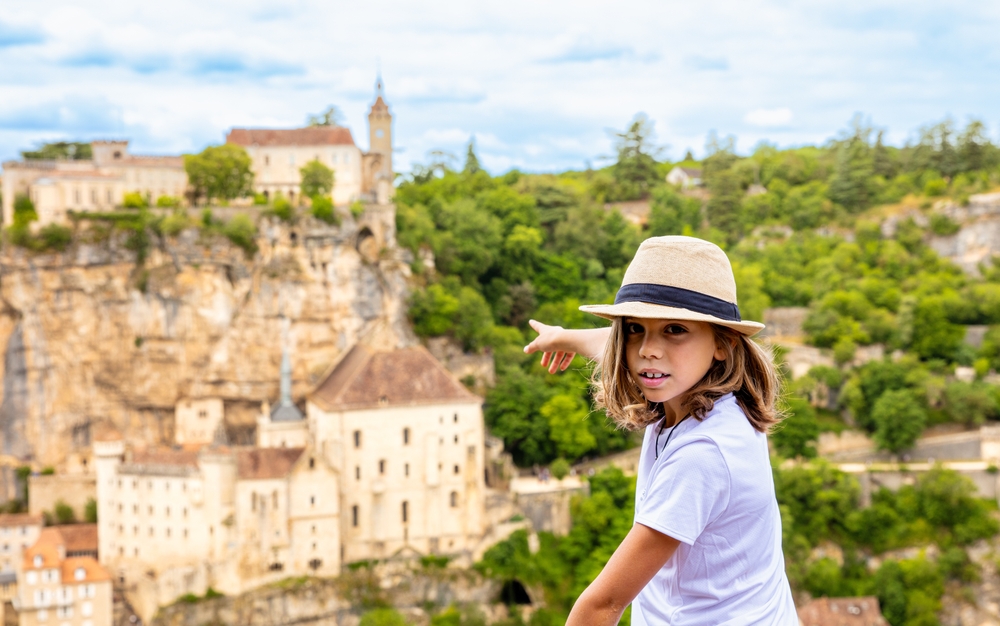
677,361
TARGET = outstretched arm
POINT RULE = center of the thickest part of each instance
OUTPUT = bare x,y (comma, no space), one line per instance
559,345
643,552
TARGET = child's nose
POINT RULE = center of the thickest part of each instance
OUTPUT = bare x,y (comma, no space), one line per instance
651,348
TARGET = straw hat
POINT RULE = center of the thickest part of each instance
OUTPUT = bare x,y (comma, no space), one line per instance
678,278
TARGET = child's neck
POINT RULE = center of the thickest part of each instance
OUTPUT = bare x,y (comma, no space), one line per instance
672,414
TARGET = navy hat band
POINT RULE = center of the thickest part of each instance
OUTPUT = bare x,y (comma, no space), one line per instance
680,298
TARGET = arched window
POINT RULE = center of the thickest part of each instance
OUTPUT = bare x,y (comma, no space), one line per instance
406,436
454,498
406,511
381,466
354,516
357,439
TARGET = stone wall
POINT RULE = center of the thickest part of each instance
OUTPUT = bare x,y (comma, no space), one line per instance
75,490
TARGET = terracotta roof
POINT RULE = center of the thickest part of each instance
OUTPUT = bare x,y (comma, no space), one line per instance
78,537
181,457
20,519
310,136
175,162
264,463
93,572
75,175
47,547
367,378
862,611
691,171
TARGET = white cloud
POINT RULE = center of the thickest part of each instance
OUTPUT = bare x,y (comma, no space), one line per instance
769,118
537,93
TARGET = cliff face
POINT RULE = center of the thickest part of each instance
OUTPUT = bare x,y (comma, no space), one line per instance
89,338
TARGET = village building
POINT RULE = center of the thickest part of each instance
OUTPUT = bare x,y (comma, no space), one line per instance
685,177
278,156
18,531
862,611
57,187
61,582
196,420
407,440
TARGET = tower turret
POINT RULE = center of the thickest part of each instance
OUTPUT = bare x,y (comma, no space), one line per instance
380,144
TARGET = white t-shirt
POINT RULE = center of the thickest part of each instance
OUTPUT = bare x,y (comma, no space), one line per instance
711,488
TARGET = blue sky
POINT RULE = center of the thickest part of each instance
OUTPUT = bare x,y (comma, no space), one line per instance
539,84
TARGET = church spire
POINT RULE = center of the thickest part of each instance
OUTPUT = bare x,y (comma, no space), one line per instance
285,411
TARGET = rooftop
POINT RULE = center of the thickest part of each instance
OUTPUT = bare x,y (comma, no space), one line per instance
368,378
265,463
78,538
863,611
19,519
310,136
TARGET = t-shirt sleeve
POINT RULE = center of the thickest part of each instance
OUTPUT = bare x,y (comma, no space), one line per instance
686,491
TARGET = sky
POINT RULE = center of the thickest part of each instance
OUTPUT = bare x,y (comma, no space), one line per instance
540,86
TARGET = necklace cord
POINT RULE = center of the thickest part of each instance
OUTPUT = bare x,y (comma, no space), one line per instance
656,444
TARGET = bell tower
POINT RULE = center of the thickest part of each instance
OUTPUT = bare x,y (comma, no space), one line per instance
380,144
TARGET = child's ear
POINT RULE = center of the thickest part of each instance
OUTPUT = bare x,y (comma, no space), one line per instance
720,350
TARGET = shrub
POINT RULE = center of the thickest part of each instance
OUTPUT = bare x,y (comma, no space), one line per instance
64,513
935,187
173,224
383,617
943,225
357,208
322,209
283,209
134,200
260,199
54,237
242,232
559,468
168,202
90,511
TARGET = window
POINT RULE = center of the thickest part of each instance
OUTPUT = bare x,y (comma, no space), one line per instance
79,573
457,469
456,438
455,418
109,197
42,615
354,517
406,469
93,196
274,499
333,158
406,436
406,511
312,500
357,439
379,133
135,530
31,578
291,159
76,196
185,512
454,498
37,560
314,529
381,466
253,501
150,509
312,463
185,533
150,531
135,508
167,511
203,414
87,609
267,160
168,533
357,472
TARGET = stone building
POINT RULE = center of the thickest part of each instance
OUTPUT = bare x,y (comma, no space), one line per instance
197,419
279,154
56,586
18,532
408,442
57,187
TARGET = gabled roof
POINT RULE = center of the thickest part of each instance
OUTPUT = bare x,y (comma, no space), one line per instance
310,136
92,570
367,378
78,537
20,519
862,611
265,463
693,172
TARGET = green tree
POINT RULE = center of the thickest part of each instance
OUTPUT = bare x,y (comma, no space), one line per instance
317,179
635,170
851,182
220,172
322,209
899,419
671,212
567,415
64,513
796,436
471,160
242,231
330,117
135,200
73,150
90,511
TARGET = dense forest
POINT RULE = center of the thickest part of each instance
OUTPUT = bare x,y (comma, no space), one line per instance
804,227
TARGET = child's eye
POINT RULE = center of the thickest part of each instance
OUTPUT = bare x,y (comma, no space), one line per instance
674,329
633,329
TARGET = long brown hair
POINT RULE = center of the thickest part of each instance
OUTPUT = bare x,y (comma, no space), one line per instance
747,371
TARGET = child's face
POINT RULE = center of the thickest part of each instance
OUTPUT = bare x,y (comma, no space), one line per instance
668,357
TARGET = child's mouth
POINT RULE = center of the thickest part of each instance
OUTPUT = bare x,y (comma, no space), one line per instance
653,379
